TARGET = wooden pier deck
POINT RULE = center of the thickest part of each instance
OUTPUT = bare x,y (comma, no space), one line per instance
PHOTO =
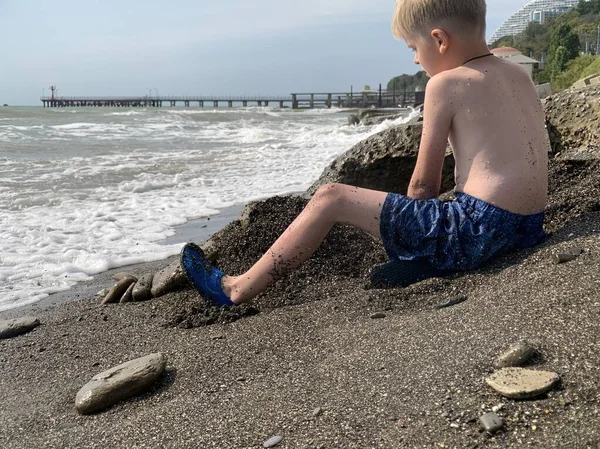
294,100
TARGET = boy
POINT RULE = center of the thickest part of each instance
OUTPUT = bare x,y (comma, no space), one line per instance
488,110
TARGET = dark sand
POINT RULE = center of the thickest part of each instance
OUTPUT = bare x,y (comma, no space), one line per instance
411,379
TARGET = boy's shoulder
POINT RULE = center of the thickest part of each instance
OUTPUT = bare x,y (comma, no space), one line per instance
459,81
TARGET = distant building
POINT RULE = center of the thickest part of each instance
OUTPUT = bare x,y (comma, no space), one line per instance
535,11
514,55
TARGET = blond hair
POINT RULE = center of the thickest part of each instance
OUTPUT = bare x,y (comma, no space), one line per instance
414,16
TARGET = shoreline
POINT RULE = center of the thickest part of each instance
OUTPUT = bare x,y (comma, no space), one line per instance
197,230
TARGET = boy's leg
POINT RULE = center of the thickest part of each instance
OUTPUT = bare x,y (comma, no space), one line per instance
331,204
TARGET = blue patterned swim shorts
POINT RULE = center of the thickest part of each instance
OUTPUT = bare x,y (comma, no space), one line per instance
454,235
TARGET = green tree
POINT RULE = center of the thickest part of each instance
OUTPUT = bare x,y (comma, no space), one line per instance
588,7
558,62
564,46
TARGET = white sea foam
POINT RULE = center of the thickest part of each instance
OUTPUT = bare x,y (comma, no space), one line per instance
116,184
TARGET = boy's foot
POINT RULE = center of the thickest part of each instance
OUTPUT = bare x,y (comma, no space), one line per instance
202,275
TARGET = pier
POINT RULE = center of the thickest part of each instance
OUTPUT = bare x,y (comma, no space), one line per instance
295,100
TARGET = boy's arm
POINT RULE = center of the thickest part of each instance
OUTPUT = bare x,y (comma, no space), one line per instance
437,118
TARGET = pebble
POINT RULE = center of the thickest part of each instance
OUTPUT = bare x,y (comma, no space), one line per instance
120,382
517,355
318,411
17,326
521,383
451,302
127,296
491,422
117,292
143,287
102,293
273,441
377,315
568,256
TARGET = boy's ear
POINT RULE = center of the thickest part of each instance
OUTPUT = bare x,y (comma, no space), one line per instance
441,38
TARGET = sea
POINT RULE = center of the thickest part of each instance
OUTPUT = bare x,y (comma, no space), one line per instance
86,190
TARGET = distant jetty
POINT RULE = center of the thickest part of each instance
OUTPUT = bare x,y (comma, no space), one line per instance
295,101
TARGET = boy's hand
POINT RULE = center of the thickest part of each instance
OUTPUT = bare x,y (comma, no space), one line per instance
437,119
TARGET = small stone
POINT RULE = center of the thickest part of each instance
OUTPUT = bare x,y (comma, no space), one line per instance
377,315
491,422
122,275
117,292
17,326
120,382
451,302
241,379
273,441
517,355
454,425
143,287
319,411
521,383
102,293
127,296
564,257
168,279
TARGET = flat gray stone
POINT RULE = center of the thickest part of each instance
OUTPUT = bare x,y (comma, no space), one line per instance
491,422
17,326
377,315
521,383
120,382
168,279
317,412
127,296
116,293
517,355
273,441
142,291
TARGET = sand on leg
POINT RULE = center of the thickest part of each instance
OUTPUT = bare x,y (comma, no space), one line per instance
331,204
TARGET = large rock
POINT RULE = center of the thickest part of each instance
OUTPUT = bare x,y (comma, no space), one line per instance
120,382
168,279
17,326
521,383
384,161
572,118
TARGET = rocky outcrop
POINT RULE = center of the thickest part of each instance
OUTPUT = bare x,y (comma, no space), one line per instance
384,161
573,122
120,382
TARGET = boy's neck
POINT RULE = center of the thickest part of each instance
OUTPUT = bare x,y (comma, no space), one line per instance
464,51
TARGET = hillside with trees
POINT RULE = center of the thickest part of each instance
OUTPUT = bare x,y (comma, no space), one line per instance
566,45
408,83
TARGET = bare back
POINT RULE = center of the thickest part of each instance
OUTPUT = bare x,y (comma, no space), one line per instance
498,136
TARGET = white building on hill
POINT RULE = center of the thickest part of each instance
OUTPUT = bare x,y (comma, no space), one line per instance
534,11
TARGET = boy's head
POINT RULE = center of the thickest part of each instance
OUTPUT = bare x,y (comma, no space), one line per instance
432,27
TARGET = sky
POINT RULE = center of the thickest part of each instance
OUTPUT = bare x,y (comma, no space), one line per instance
201,47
